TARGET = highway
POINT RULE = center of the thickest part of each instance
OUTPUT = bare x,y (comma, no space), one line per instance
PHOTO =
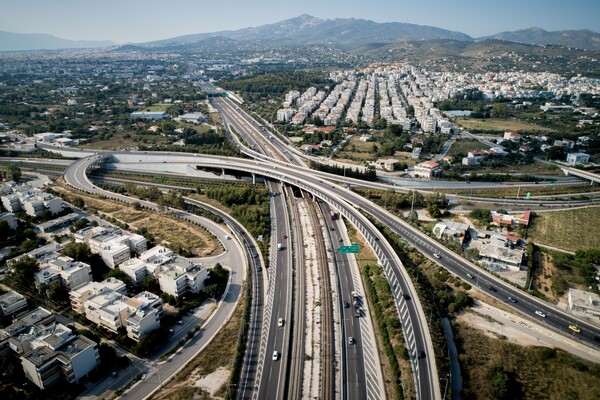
527,304
258,138
348,203
410,312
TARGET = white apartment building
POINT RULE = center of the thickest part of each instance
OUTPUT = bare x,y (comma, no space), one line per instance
147,310
113,249
48,349
72,273
135,269
107,309
79,295
33,201
577,158
181,276
139,315
427,169
72,360
11,303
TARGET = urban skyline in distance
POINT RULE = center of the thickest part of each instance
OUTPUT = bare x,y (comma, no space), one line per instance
138,21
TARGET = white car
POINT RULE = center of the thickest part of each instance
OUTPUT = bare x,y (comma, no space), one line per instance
436,255
227,237
280,322
541,314
275,356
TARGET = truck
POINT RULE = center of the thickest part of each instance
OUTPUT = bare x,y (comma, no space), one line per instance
333,215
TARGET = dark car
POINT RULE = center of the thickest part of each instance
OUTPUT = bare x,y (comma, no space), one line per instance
421,354
512,299
346,304
491,288
406,297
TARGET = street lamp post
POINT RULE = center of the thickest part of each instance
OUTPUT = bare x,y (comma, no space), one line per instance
159,377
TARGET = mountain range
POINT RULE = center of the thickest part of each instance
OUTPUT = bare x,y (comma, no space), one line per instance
347,33
40,41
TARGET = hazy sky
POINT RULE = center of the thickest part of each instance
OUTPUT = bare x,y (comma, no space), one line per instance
143,20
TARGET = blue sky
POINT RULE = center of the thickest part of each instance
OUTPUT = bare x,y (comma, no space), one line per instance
143,20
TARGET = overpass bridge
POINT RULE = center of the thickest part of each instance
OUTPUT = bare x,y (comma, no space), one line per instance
592,177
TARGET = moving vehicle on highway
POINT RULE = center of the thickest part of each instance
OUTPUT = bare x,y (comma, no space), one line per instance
470,276
574,329
512,299
541,314
275,356
280,322
351,340
436,255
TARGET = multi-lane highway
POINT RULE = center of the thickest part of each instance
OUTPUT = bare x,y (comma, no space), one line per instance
415,328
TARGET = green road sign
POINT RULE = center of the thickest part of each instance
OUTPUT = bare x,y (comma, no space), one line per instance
350,249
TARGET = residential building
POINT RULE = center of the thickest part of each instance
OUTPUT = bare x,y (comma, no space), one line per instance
48,349
147,310
58,223
135,269
12,203
510,220
113,249
10,220
107,309
70,272
500,255
512,136
586,303
577,158
72,360
387,164
451,230
11,303
427,169
138,315
180,276
79,295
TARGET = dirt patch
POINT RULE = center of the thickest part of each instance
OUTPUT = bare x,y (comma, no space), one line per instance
213,381
542,279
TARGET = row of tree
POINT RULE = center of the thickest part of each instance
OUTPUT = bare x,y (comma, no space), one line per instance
368,174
